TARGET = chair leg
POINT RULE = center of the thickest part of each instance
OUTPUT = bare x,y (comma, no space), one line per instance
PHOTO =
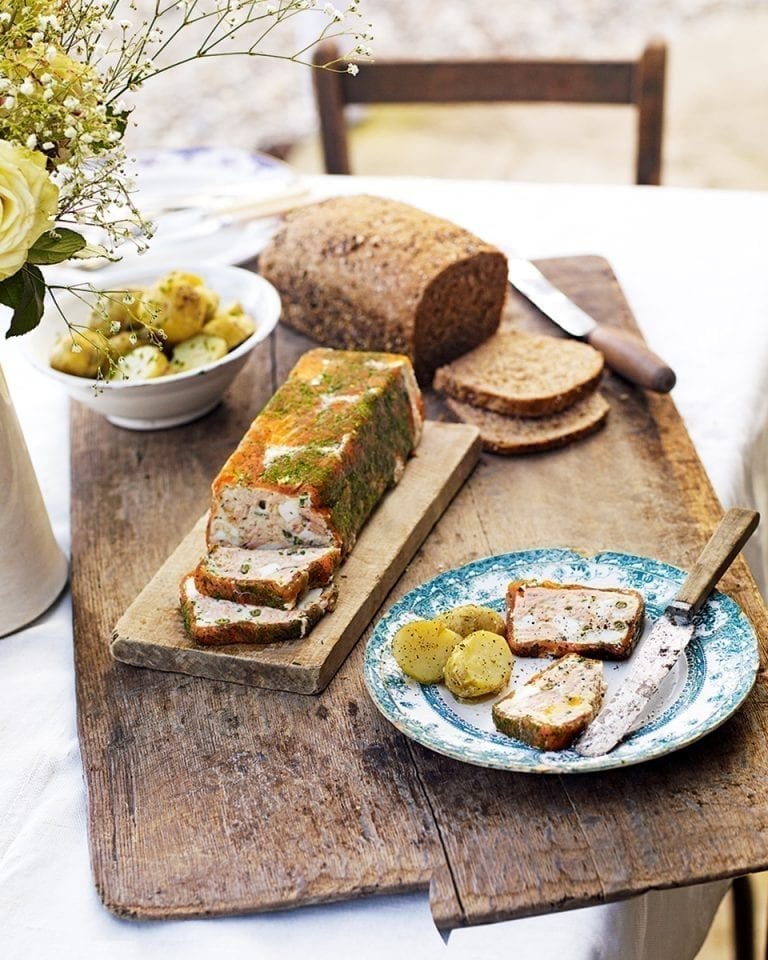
743,919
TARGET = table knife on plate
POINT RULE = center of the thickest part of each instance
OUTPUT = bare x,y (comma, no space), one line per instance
658,653
623,352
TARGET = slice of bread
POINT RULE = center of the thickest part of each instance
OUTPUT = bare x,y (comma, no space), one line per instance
546,619
523,375
502,434
555,705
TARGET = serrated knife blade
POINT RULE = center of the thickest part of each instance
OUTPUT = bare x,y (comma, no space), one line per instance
670,635
623,352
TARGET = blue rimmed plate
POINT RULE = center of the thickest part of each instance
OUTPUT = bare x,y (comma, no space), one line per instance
702,691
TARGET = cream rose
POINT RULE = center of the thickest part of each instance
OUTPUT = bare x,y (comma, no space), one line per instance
28,204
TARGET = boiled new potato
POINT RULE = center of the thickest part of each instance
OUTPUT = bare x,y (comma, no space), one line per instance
421,649
479,664
233,325
470,617
117,311
143,363
125,342
179,306
82,353
178,316
196,351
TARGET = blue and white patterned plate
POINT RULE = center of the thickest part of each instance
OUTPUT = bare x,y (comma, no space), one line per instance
702,691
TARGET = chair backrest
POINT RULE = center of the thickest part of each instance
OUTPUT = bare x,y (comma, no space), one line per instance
638,82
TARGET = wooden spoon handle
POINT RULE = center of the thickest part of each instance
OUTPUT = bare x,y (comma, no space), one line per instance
630,357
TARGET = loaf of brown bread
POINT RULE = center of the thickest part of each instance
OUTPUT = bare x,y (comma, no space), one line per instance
367,273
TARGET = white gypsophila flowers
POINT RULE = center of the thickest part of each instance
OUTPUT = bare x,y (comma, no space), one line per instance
65,69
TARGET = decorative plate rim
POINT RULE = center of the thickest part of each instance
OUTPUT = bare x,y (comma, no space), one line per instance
721,686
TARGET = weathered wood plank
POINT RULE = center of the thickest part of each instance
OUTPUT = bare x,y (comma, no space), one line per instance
517,844
212,798
150,632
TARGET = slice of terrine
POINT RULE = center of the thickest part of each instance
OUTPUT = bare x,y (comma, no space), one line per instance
555,705
546,619
319,456
216,622
272,578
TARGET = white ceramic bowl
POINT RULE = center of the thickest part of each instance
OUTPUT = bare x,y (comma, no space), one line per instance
171,400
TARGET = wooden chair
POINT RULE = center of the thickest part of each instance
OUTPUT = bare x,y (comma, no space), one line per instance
639,82
743,918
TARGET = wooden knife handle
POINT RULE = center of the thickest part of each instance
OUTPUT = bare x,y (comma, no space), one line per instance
629,356
733,531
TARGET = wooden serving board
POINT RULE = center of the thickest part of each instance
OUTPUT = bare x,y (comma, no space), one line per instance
151,634
211,798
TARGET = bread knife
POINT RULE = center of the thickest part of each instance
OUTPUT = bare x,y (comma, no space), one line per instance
658,652
623,352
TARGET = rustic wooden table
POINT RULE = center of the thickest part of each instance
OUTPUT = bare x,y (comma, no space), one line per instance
211,798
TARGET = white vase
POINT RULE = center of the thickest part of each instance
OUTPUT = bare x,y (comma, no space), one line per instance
33,568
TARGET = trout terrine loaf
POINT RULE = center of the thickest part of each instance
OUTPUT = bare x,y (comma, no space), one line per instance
369,273
318,458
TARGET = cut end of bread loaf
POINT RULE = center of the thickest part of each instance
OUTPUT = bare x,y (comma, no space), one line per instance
521,374
369,273
508,435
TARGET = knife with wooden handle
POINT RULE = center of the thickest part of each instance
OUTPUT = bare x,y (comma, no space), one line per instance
658,652
623,352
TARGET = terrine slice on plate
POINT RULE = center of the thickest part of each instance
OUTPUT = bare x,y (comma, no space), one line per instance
554,705
547,619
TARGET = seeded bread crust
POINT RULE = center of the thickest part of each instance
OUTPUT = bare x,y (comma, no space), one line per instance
557,645
523,375
508,435
368,273
552,708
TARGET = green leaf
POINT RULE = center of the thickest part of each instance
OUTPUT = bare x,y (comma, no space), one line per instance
55,246
24,292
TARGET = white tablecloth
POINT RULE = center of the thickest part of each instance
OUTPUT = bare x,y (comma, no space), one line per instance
692,264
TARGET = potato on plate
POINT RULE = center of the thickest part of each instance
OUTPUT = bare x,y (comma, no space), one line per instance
470,617
421,649
479,665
